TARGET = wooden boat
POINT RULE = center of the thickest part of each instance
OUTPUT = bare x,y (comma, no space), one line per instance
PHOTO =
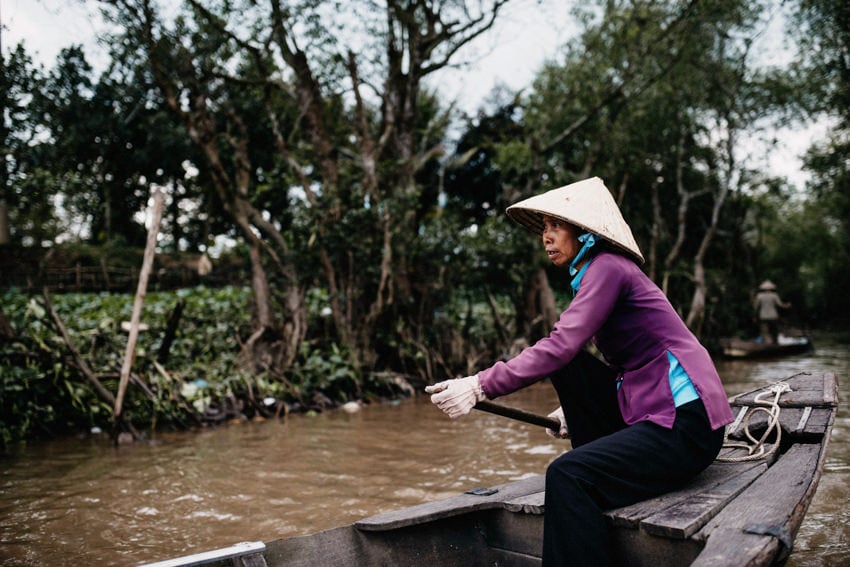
741,348
745,509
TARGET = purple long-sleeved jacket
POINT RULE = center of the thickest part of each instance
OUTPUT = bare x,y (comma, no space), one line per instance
633,324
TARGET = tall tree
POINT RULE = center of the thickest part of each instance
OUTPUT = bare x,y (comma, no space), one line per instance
823,31
343,138
25,200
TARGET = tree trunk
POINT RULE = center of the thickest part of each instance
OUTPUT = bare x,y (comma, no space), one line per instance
419,39
685,197
171,327
656,232
6,331
232,187
696,316
5,234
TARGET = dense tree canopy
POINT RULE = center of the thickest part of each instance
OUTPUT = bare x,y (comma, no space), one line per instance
824,217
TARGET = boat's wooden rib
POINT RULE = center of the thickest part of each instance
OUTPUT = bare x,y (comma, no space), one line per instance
734,513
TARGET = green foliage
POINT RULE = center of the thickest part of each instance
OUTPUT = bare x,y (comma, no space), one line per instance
42,393
328,372
822,29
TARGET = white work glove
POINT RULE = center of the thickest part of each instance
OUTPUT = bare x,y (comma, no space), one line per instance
563,433
457,396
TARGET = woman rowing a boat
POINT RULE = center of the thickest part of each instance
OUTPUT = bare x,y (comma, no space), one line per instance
643,422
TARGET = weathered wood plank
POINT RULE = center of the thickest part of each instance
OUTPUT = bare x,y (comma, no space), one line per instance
689,515
741,549
830,389
816,423
711,479
816,390
768,512
452,506
530,504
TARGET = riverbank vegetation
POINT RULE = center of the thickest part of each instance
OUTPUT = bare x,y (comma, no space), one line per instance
187,371
352,220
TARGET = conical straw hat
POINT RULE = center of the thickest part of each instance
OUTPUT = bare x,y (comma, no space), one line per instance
587,204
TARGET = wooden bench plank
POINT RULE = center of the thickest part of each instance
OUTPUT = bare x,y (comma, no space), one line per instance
716,475
690,514
816,423
816,390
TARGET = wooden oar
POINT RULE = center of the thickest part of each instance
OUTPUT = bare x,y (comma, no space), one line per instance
520,415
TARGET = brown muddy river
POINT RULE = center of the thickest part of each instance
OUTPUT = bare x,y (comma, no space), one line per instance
83,502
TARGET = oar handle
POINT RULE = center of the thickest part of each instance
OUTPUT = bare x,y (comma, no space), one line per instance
520,415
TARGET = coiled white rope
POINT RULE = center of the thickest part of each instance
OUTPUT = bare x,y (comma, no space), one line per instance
757,448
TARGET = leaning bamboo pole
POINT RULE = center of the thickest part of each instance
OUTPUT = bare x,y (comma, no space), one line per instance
141,290
101,390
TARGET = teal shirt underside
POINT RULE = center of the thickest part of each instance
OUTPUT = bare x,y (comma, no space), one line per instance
680,383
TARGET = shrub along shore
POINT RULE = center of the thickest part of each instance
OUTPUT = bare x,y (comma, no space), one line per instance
61,357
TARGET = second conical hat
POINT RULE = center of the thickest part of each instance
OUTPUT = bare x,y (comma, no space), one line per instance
587,204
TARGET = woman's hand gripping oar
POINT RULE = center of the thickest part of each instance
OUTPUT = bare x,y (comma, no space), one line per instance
456,397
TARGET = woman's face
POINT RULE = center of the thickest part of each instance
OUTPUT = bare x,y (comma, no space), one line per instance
560,240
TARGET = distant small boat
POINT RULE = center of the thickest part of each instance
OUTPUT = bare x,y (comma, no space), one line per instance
740,348
745,509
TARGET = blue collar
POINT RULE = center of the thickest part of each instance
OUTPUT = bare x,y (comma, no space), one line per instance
588,240
576,281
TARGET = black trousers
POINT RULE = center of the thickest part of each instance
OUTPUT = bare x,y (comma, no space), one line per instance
611,464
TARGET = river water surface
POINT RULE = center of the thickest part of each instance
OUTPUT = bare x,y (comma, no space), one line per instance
83,502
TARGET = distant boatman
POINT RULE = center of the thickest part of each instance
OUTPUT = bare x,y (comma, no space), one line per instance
767,305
